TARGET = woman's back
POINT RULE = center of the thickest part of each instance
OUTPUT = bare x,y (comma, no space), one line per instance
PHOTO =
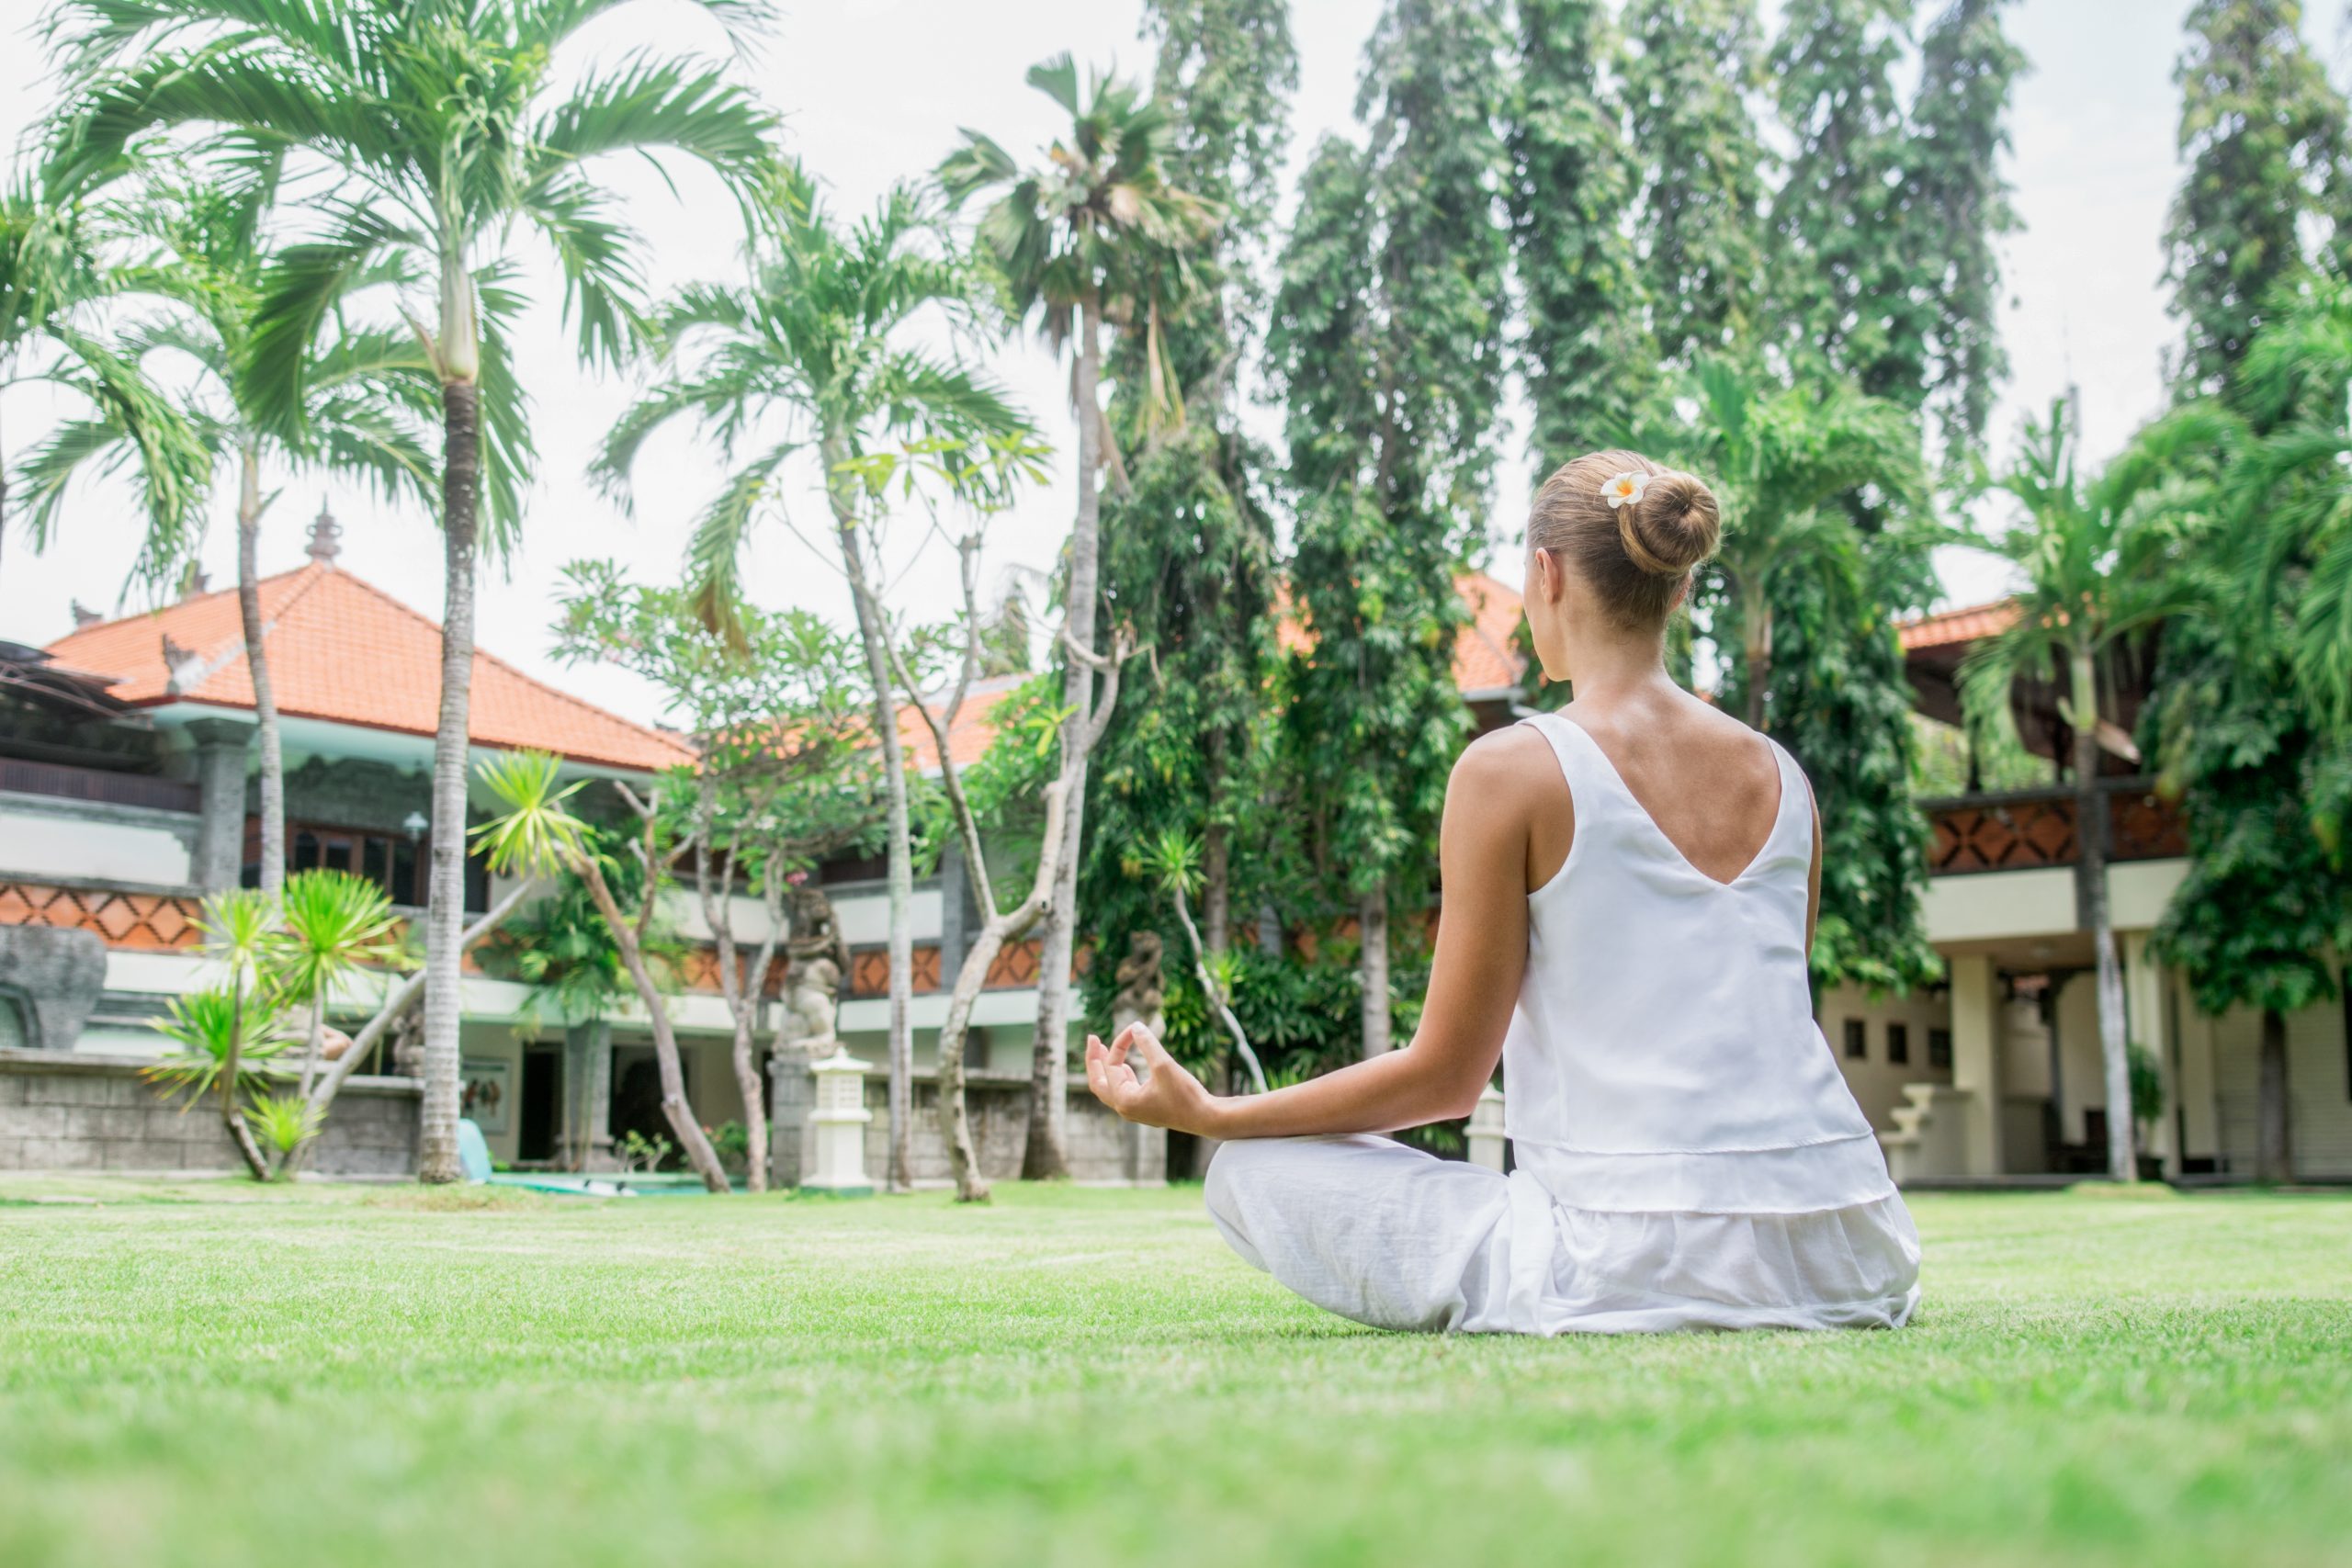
1664,1053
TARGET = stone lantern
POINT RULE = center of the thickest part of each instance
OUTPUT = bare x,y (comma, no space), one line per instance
839,1124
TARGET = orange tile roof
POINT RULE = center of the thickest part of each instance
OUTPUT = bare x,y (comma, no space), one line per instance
343,650
969,739
1965,624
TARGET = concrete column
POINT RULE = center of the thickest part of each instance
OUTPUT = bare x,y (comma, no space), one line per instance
2199,1117
220,746
1976,1058
588,1095
2147,1025
956,914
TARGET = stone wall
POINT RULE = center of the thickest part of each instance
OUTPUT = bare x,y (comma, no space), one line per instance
80,1110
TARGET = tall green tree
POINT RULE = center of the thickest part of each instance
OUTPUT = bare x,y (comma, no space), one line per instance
1096,235
1848,286
819,353
1589,359
453,140
368,406
1704,170
1188,551
2263,134
1958,207
1387,344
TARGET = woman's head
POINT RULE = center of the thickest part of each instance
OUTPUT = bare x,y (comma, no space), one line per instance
1621,535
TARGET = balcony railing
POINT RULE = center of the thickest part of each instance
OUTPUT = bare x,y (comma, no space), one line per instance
23,777
2026,829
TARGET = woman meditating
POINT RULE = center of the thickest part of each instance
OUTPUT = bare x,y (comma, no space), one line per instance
1630,889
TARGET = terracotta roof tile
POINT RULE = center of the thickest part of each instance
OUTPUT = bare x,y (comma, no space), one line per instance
1965,624
343,650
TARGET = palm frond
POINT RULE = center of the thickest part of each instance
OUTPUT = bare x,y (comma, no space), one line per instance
714,557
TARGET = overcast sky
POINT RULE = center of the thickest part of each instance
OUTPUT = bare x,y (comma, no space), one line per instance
873,91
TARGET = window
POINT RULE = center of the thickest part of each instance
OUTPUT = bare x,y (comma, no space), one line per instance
1899,1042
402,867
1940,1049
1857,1039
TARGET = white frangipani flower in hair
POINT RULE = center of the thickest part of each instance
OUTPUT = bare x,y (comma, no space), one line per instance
1624,489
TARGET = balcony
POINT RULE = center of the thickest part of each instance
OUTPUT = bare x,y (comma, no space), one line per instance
2034,830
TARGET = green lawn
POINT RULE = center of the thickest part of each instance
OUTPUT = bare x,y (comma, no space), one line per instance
218,1374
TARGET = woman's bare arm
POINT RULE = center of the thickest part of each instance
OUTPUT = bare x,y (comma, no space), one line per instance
1492,797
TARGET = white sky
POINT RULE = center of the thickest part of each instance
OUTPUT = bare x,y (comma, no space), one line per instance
874,91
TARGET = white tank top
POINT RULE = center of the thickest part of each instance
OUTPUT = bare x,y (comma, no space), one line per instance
1664,1057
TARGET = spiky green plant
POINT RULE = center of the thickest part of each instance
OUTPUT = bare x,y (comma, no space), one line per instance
283,1122
223,1040
335,924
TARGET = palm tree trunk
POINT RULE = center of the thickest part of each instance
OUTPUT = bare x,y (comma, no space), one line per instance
1372,968
273,761
2274,1148
1046,1156
872,633
2090,838
445,914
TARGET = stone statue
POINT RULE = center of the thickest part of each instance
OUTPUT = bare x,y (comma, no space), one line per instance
813,927
811,995
1139,1000
408,1042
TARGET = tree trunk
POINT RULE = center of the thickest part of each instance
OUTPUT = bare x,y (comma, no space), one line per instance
744,992
233,1115
954,1116
1755,622
2090,842
1372,968
1216,888
1046,1156
444,911
2274,1148
873,631
1214,995
675,1106
273,762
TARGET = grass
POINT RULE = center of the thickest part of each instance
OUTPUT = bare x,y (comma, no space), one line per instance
217,1374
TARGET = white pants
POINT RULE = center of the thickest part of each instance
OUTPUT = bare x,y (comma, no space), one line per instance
1396,1239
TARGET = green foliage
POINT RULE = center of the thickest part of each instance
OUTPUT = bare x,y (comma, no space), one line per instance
2147,1086
1848,286
536,831
1704,168
282,1122
1588,358
207,1025
448,143
561,947
2262,133
1959,207
335,924
1388,345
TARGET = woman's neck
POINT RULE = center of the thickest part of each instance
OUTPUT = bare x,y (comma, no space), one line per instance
1617,672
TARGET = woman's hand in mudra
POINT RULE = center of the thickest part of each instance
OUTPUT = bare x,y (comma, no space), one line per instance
1163,1095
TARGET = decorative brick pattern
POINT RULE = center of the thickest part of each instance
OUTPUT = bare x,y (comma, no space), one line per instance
148,922
2021,831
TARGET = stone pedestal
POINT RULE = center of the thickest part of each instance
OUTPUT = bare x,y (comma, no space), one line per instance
838,1124
1486,1131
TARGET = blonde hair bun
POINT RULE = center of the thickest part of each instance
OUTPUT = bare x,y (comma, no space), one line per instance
1673,527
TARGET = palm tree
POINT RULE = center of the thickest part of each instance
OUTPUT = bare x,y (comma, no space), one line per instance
2094,561
1096,234
367,404
818,338
50,277
1778,457
439,121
